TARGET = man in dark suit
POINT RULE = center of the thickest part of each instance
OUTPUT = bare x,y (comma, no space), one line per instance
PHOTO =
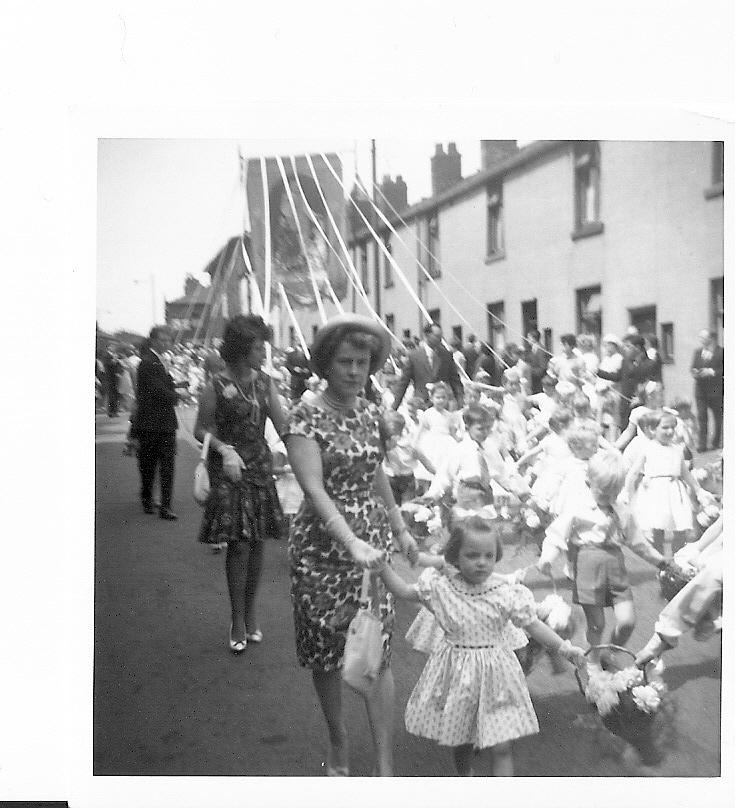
471,355
537,360
708,370
155,422
430,362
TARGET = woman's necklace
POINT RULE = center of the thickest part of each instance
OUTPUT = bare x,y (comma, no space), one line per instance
251,398
335,404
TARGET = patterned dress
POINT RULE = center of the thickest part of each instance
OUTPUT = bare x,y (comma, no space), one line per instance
472,689
325,582
247,510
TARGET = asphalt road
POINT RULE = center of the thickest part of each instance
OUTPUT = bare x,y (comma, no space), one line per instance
169,698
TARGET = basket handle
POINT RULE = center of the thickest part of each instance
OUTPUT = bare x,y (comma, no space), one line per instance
612,647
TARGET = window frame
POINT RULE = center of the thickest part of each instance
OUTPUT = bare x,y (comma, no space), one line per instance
589,291
388,281
717,171
494,213
586,174
496,325
666,343
432,242
364,266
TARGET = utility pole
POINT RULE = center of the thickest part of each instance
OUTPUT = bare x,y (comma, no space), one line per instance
376,249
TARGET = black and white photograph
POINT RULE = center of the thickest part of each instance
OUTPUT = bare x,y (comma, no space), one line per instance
407,450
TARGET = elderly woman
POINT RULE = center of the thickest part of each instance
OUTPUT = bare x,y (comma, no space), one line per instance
347,521
243,508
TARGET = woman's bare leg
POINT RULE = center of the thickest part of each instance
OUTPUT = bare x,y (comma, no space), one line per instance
380,707
328,686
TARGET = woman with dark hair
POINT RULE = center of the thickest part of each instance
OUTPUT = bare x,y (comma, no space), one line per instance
243,508
348,521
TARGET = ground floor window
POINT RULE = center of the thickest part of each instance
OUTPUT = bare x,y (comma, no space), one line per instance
496,325
589,311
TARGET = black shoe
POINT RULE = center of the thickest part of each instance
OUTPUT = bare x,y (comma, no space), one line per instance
148,507
167,513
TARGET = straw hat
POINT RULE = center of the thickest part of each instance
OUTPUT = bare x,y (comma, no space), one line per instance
354,322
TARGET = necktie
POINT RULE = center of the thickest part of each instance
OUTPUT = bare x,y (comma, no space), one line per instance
484,470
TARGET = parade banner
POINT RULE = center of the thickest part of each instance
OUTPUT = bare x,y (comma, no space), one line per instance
279,216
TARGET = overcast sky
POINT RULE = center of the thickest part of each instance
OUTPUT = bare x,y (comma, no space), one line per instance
166,207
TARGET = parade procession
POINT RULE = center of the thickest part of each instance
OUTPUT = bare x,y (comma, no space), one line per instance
460,460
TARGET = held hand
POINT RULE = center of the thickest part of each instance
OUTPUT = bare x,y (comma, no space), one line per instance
366,556
232,464
576,656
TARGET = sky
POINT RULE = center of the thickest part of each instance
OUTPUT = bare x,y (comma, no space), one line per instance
165,207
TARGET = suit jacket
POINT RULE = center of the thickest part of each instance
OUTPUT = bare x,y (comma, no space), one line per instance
421,372
631,375
709,385
471,355
537,362
157,396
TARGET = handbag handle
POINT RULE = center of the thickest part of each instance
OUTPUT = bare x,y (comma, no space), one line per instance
205,446
367,584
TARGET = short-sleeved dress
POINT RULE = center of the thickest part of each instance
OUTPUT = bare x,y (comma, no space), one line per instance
325,582
662,501
248,510
472,689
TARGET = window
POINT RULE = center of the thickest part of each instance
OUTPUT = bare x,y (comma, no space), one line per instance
717,188
666,345
364,275
586,190
717,307
644,319
548,340
387,268
495,245
589,311
390,322
457,332
436,316
496,325
431,257
406,333
291,335
529,315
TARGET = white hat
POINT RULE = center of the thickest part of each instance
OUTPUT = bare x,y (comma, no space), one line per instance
612,338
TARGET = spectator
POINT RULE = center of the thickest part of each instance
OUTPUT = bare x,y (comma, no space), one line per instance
537,360
707,368
488,363
653,354
471,355
635,370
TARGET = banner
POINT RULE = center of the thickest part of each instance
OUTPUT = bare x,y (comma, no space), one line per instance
289,265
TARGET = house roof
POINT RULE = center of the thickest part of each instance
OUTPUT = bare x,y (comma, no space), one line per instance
224,256
522,157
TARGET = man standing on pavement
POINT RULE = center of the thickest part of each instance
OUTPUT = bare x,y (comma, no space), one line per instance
537,360
155,422
708,367
430,362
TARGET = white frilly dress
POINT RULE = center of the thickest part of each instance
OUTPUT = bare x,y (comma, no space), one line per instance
662,500
472,689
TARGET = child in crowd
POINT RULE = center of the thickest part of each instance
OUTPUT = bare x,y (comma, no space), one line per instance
662,502
686,428
472,693
546,401
513,413
590,531
402,457
550,457
646,430
652,397
438,426
583,416
469,468
583,443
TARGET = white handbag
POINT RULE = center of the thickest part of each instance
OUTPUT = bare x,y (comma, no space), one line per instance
363,654
201,475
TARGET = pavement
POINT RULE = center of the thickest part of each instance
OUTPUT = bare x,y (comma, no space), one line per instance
169,698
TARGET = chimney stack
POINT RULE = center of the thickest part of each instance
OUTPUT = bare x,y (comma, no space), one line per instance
395,192
494,151
446,169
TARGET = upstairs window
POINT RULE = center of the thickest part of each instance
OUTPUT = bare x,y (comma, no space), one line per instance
586,190
431,261
494,222
364,274
717,188
387,268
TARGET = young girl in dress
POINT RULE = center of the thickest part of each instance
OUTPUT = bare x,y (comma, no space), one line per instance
472,693
662,501
438,427
402,457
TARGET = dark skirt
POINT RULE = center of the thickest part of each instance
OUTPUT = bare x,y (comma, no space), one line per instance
242,511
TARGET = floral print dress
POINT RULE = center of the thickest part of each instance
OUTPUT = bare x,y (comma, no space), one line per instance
325,582
248,510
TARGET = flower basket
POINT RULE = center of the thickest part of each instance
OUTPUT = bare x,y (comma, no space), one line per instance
626,701
423,522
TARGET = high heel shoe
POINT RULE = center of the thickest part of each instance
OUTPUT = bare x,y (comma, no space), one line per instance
237,646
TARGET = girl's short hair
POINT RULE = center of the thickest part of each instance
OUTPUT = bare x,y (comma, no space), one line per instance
418,402
581,437
570,339
649,420
477,414
682,406
241,332
437,386
459,531
586,342
606,470
659,415
561,417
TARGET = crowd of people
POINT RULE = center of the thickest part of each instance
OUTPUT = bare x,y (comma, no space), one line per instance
574,454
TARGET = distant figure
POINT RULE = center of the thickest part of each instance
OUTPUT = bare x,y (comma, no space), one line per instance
112,373
708,368
537,360
471,355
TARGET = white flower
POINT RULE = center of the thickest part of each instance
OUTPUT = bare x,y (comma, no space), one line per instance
230,391
532,520
646,698
423,514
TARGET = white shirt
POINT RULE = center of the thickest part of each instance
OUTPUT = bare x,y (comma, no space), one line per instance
463,464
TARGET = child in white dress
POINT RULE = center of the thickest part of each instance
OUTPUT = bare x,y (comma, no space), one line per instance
662,501
472,693
438,426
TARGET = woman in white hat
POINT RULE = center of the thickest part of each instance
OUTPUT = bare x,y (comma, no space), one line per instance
348,521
